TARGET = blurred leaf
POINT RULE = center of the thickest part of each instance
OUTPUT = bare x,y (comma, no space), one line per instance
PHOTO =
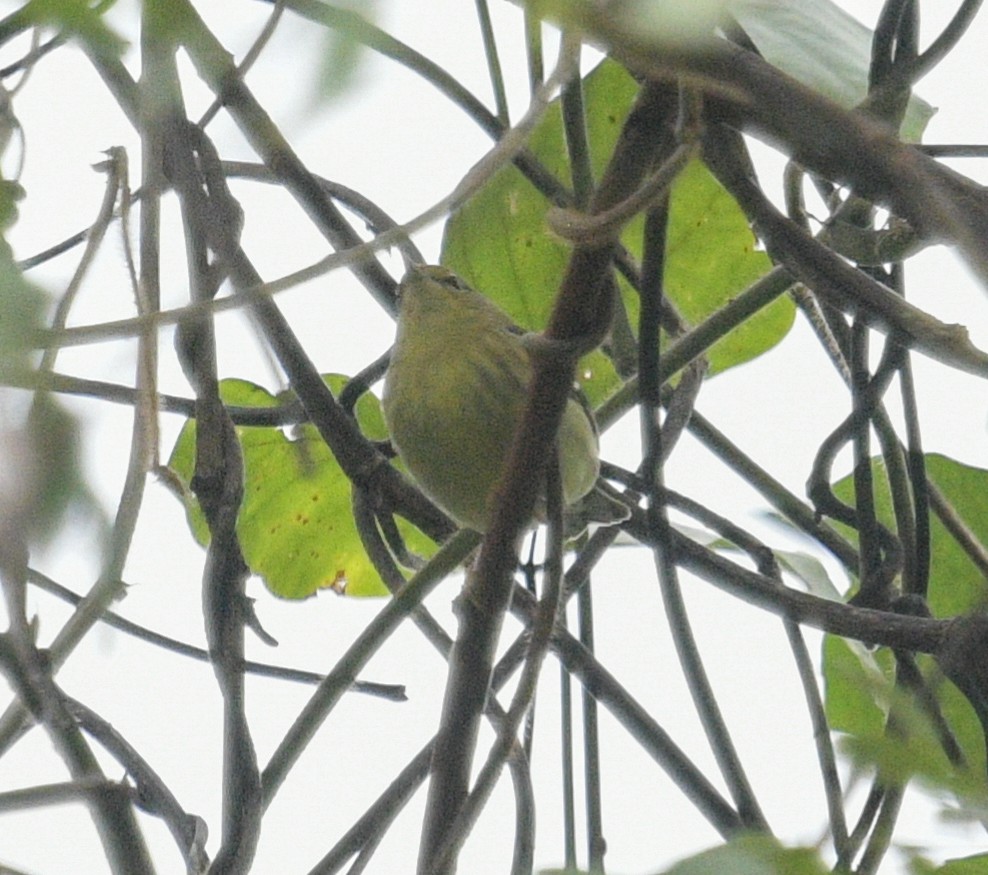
822,46
975,865
752,854
10,192
296,527
58,481
22,306
78,18
818,44
803,566
501,244
41,479
855,692
810,571
664,22
343,53
918,756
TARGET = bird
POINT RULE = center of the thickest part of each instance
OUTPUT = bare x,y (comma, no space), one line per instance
454,394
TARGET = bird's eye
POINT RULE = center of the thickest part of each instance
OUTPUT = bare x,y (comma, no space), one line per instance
453,281
444,276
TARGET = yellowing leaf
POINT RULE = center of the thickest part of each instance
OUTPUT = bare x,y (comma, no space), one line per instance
295,526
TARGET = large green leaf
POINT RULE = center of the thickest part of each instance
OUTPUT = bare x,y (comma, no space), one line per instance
859,691
295,526
500,241
956,585
711,258
857,682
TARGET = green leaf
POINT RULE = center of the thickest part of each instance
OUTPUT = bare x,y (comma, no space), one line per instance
295,527
975,865
956,585
857,682
711,258
45,485
749,854
667,23
10,192
910,749
22,306
752,854
79,19
500,242
811,571
181,463
855,693
344,52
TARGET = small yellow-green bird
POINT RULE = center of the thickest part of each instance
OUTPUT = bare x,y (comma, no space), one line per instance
454,394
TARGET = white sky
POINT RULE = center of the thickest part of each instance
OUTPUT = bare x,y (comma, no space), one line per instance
395,143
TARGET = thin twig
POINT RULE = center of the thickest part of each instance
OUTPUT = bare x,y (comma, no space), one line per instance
493,61
393,692
449,557
153,795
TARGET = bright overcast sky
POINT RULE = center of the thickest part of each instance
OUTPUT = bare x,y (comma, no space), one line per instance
391,139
